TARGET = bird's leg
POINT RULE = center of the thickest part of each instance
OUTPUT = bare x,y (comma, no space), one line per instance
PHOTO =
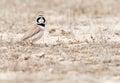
31,43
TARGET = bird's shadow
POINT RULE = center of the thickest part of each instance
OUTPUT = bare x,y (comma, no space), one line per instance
37,45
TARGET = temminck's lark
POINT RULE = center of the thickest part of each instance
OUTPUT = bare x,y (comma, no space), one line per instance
35,33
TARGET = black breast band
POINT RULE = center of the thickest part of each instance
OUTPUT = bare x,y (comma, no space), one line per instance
43,25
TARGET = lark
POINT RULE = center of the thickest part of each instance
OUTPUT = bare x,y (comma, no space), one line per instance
36,32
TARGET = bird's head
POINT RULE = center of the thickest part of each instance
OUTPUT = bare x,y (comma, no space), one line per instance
40,19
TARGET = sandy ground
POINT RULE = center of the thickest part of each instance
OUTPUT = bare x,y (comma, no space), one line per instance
81,43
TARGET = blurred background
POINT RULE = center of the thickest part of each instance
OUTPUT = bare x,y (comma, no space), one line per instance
14,12
81,43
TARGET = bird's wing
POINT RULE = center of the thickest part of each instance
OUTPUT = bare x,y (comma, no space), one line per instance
30,33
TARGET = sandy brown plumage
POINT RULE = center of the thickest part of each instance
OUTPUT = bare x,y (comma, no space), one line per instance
30,33
36,32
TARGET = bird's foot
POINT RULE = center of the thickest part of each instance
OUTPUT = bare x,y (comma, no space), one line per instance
25,43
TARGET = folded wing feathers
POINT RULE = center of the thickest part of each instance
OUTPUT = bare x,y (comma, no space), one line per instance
30,33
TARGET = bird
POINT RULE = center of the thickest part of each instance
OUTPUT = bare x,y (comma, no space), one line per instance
36,32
